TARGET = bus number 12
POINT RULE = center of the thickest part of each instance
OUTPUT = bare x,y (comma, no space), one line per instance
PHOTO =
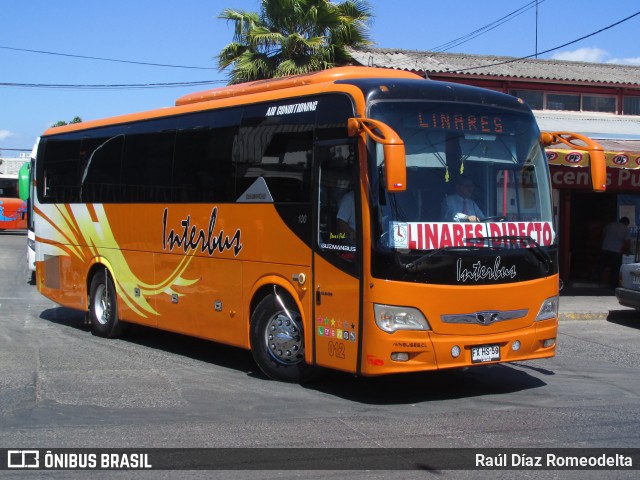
336,349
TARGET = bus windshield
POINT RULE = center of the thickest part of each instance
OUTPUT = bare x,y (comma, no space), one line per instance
9,186
12,208
477,181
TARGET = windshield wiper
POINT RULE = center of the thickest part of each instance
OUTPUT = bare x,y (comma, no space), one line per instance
536,249
415,265
484,242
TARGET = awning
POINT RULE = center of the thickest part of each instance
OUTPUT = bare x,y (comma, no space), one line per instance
599,126
619,135
580,158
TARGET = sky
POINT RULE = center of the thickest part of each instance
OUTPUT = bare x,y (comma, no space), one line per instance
188,33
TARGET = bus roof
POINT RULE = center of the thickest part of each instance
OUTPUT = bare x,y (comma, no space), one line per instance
323,76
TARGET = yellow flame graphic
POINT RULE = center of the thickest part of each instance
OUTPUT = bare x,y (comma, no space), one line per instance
74,228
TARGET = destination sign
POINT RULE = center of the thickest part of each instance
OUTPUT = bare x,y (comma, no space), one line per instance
462,122
430,236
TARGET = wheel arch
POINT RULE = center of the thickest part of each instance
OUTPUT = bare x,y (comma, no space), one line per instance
96,265
265,286
291,296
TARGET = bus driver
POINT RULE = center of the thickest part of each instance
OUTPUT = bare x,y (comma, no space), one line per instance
460,207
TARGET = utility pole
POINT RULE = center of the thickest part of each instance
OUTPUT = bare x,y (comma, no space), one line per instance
537,28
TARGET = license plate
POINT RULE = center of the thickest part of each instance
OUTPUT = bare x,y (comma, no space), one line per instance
485,353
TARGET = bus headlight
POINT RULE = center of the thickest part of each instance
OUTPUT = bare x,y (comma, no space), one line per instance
549,309
391,319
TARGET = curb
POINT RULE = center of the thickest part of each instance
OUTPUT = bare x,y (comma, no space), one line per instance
583,316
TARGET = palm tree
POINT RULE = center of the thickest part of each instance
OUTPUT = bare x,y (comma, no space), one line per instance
290,37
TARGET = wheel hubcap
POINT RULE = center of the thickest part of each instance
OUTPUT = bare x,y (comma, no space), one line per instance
102,305
284,340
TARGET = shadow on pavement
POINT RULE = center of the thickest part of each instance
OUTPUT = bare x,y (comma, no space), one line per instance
402,389
385,390
625,318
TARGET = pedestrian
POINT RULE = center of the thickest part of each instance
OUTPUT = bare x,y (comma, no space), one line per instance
615,242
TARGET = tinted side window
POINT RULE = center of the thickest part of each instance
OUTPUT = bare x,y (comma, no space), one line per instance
338,194
333,112
101,164
203,157
61,170
8,188
148,163
275,145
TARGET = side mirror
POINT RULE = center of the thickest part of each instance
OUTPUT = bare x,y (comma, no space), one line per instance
598,170
395,161
23,181
597,160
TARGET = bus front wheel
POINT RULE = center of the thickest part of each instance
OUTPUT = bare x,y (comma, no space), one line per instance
103,307
277,340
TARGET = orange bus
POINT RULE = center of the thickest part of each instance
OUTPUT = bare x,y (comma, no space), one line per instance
302,218
13,210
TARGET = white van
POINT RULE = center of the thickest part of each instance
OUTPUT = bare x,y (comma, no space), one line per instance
25,184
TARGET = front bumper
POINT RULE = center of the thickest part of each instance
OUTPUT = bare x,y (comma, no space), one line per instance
628,297
434,351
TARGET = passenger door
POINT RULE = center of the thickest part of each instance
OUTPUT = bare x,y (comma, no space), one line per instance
337,261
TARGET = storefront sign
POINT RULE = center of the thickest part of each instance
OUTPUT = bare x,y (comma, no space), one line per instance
578,178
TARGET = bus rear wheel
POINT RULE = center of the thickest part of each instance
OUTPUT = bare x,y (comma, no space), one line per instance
103,307
277,340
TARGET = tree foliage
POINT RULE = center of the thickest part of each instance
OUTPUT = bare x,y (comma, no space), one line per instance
61,123
290,37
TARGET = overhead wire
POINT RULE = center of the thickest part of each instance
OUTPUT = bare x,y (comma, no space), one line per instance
110,86
104,59
461,40
549,50
487,28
